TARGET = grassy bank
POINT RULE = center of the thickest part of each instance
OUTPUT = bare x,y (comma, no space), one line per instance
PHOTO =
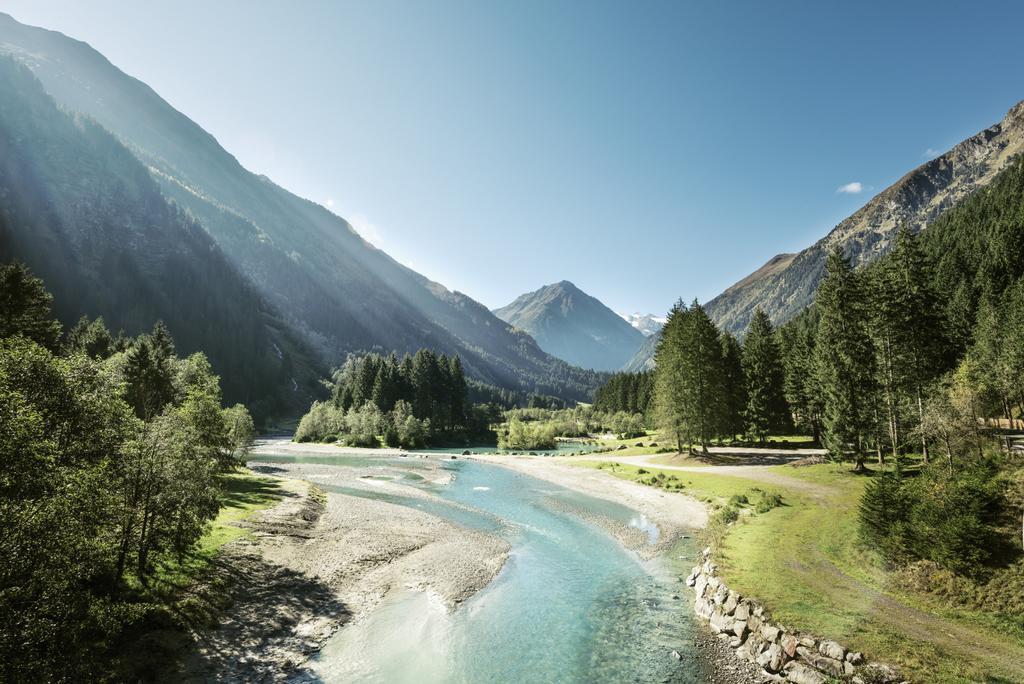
803,561
245,494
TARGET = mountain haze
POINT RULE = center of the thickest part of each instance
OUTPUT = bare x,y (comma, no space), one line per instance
336,291
85,215
574,326
785,285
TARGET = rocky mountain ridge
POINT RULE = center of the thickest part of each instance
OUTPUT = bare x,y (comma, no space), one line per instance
574,326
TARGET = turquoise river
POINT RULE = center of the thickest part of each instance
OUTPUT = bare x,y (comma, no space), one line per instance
570,605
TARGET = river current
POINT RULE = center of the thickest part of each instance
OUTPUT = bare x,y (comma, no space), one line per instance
570,605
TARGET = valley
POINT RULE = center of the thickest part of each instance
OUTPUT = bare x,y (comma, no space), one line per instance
245,437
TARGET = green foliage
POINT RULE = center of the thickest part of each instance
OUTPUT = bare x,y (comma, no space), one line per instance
689,377
766,411
88,217
93,498
626,392
947,518
844,360
767,502
734,383
518,434
25,307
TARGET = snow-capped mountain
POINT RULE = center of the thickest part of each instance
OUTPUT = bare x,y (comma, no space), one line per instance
648,324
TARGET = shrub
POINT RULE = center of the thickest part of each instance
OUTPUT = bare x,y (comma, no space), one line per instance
768,501
946,518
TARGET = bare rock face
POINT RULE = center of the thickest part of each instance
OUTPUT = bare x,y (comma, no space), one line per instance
785,285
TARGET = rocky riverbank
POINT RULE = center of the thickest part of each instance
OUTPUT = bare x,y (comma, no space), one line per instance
319,560
782,654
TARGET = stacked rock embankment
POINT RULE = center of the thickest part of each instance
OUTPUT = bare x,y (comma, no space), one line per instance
783,654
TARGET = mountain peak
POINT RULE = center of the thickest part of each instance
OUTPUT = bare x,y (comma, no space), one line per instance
574,326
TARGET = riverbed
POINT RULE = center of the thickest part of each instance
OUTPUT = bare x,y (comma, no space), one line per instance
589,592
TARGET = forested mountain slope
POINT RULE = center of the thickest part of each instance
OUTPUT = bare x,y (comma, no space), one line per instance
785,285
339,292
574,326
84,214
915,200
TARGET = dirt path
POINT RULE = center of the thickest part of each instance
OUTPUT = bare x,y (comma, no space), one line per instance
760,473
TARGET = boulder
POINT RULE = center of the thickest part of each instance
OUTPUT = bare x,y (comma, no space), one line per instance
466,452
721,594
820,662
739,628
454,457
855,658
653,444
731,601
621,447
771,659
832,650
880,672
676,655
639,444
770,633
801,674
720,622
789,644
742,612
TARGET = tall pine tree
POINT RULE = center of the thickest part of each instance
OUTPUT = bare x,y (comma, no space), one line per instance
766,411
845,361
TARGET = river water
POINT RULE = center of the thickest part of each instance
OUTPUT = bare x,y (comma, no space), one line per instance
570,605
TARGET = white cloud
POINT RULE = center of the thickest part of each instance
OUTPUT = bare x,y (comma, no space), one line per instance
330,202
366,229
931,154
854,188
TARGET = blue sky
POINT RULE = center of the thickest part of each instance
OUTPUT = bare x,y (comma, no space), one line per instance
646,151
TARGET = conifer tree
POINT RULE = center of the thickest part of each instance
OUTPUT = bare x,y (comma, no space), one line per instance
766,409
25,307
734,386
668,377
844,360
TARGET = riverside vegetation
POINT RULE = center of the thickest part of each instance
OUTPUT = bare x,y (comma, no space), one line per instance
115,456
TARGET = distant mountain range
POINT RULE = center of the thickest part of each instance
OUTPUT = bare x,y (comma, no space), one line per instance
648,324
785,285
574,326
305,268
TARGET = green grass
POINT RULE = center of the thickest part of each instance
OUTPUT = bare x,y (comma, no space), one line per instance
709,488
245,493
802,560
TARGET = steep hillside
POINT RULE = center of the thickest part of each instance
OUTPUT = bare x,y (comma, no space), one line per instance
785,286
84,214
574,326
339,292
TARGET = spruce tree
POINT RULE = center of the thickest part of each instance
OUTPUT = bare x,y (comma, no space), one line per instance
668,377
844,361
702,376
734,386
25,307
766,409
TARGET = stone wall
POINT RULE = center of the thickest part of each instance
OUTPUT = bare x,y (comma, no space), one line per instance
784,655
